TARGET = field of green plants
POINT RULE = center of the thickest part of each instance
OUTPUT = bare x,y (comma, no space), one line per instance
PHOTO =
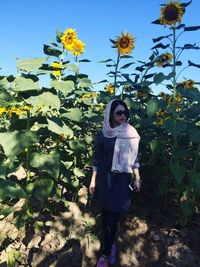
50,131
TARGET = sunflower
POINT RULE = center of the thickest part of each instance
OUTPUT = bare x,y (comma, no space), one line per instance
124,43
69,38
164,59
2,110
110,88
56,65
187,84
171,13
77,48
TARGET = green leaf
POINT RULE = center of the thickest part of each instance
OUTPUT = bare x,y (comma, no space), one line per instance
60,130
30,64
152,107
194,134
84,60
194,179
155,40
192,94
15,142
5,211
10,189
12,257
131,104
47,162
45,99
22,84
77,146
186,4
187,207
158,78
48,50
193,64
78,172
5,98
65,87
74,114
72,67
157,147
175,127
126,65
193,28
178,171
84,83
160,45
67,164
106,60
41,189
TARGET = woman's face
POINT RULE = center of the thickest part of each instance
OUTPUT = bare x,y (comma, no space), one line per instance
119,116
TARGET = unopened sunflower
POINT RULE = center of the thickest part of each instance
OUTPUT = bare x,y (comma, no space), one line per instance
171,13
125,43
56,65
110,88
68,38
77,48
164,59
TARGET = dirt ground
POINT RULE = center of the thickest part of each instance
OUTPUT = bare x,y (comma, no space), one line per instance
70,238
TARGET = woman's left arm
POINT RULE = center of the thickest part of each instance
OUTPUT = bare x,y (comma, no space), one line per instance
137,183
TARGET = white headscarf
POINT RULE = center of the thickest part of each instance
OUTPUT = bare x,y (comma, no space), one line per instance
126,145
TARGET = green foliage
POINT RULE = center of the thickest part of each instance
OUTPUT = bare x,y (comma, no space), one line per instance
12,257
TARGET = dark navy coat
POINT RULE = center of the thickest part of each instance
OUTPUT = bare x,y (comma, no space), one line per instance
112,190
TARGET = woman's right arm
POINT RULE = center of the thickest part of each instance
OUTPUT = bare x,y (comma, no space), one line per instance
93,182
96,162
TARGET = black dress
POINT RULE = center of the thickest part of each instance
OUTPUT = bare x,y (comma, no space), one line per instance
112,190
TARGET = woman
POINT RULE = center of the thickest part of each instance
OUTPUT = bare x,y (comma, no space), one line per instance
115,159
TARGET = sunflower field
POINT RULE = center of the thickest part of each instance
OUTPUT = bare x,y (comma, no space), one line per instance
50,131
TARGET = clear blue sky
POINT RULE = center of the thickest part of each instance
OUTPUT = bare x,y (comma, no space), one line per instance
26,25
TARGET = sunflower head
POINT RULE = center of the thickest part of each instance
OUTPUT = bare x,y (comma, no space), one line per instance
68,38
164,59
110,88
187,84
56,65
171,13
124,43
77,48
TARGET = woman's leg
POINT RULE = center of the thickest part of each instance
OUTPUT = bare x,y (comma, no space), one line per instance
109,221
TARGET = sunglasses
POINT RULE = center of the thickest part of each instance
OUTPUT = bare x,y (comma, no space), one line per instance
120,112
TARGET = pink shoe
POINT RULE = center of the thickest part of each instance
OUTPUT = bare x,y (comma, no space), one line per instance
112,256
102,262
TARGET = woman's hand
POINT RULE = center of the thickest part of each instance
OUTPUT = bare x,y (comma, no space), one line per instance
92,186
137,185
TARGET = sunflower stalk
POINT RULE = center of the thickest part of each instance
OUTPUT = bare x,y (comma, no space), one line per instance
116,69
174,81
27,149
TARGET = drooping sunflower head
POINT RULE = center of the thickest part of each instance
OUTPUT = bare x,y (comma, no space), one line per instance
171,13
68,38
164,59
188,84
56,65
124,43
110,88
77,48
